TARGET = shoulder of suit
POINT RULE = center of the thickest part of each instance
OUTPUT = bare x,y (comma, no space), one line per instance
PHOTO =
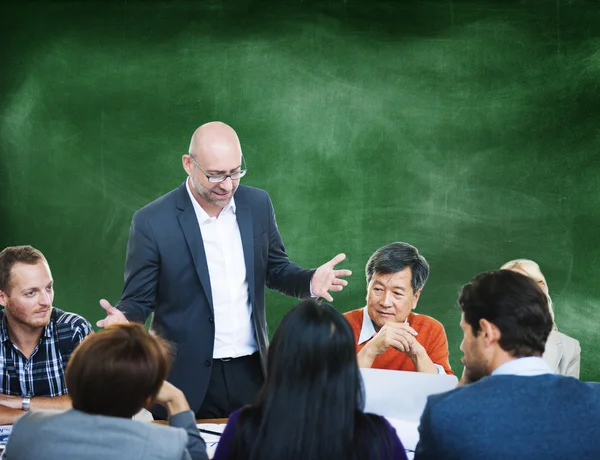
31,421
166,200
39,416
566,338
246,192
174,436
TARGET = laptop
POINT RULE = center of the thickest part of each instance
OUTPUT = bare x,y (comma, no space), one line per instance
402,395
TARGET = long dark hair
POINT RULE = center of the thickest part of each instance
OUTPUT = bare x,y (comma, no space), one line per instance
310,406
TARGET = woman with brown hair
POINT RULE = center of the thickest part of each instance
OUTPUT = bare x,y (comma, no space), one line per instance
111,376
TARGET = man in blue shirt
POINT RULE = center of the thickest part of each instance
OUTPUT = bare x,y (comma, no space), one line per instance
512,405
36,340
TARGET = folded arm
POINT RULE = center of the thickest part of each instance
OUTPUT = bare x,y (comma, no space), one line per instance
11,406
181,416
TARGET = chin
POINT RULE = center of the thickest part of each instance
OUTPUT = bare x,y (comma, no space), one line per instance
41,321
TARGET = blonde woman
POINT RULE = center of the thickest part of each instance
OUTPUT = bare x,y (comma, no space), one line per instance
563,353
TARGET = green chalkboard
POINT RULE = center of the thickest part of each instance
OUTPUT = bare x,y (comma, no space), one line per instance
469,129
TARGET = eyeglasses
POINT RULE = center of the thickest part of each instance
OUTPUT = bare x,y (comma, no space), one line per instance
216,178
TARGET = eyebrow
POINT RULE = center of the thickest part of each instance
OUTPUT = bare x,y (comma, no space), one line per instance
51,283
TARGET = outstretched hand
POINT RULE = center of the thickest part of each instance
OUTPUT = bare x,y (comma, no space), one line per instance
326,279
114,315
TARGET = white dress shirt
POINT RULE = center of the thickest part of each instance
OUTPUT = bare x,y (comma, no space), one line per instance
367,331
234,332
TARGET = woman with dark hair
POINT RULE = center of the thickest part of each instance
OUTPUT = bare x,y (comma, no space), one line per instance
311,404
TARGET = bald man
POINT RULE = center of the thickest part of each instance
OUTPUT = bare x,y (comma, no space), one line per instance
199,258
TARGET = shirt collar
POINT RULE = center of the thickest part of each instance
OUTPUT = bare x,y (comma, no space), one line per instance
49,329
200,212
528,366
368,328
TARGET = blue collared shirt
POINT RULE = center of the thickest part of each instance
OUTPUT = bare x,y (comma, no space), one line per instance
528,366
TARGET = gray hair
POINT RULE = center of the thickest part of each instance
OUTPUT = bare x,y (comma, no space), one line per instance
395,257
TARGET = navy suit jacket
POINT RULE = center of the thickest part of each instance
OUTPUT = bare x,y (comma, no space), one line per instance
166,274
501,417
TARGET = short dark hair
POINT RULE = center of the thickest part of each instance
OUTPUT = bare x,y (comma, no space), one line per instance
116,370
514,304
15,254
395,257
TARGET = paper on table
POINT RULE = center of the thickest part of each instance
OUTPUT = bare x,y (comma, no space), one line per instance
4,434
211,440
408,432
402,395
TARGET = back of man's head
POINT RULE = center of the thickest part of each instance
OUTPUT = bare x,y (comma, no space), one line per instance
12,255
117,371
395,257
514,304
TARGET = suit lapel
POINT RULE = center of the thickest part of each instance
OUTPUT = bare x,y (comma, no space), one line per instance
189,224
244,218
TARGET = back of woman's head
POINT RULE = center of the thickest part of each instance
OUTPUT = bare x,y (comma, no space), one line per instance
312,396
313,352
117,370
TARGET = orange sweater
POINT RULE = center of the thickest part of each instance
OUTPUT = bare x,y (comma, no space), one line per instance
431,335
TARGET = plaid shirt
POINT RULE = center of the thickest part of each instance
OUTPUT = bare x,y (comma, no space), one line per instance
43,374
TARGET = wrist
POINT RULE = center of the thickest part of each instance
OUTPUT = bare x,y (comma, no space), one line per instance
372,350
177,403
25,403
420,355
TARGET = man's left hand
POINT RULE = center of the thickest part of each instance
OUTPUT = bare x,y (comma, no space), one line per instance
326,279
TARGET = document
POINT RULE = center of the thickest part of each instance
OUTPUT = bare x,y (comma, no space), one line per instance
402,395
211,439
408,432
4,434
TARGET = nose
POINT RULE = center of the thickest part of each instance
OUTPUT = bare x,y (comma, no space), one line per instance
45,298
386,301
227,184
461,345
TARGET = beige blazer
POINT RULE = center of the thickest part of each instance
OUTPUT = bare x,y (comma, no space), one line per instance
563,354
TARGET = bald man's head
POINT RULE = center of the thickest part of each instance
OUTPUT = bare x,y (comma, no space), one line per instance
214,149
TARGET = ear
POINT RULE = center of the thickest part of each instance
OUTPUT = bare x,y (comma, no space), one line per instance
187,163
489,331
3,298
416,295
